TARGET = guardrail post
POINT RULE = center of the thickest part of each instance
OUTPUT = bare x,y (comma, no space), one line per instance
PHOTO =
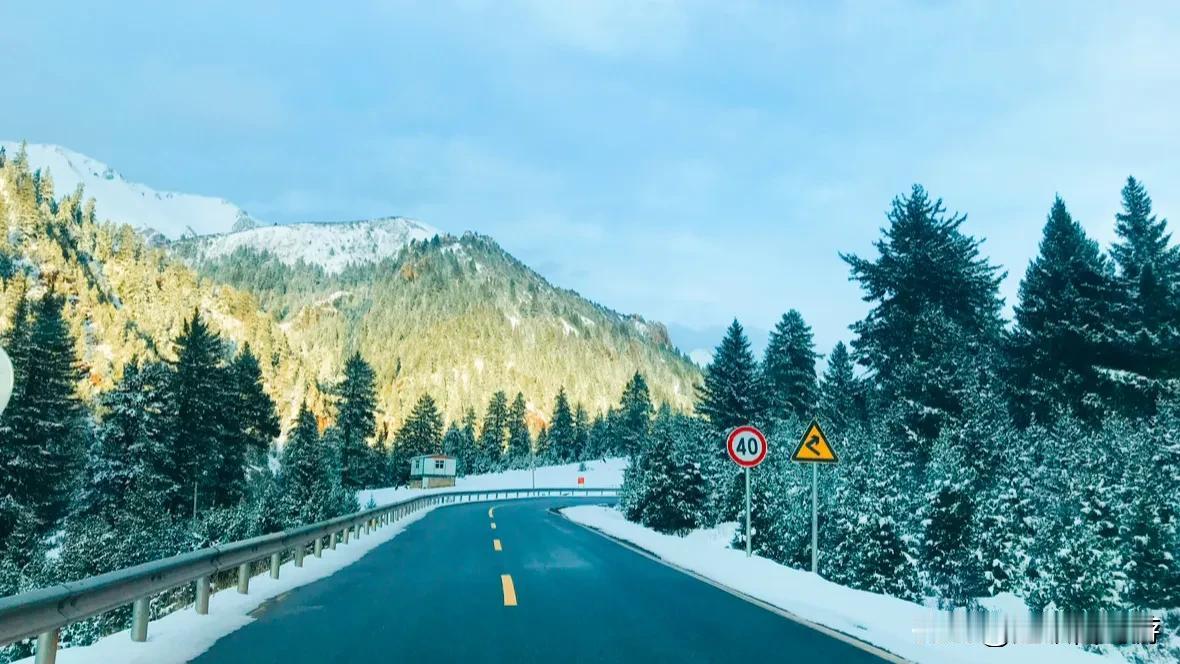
203,595
139,620
276,559
346,534
332,541
299,549
319,547
244,578
47,647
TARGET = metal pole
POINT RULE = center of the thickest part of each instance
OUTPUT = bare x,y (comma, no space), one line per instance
139,620
203,595
749,535
814,518
244,578
276,561
47,647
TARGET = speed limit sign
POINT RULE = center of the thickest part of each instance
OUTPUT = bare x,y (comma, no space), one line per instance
746,446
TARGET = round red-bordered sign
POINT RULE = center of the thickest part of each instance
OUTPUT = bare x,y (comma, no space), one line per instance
746,446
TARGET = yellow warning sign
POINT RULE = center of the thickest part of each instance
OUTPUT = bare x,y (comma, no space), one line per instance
814,447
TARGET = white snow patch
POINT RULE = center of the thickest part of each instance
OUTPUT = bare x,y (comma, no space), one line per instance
512,320
182,635
567,329
331,245
606,474
884,621
126,202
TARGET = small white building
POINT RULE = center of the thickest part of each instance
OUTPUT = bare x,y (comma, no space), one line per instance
432,470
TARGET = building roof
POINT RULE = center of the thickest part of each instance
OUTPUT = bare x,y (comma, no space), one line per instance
433,456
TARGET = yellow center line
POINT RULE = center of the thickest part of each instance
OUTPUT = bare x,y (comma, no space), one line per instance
493,525
496,545
509,590
490,515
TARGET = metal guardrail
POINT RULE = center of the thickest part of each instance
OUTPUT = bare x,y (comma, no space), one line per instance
42,613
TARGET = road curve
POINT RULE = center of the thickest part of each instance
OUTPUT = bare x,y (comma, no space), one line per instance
533,588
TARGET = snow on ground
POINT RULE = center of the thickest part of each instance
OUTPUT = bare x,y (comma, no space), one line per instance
884,621
599,475
182,635
129,202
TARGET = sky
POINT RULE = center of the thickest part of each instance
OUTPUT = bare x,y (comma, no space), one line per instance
693,162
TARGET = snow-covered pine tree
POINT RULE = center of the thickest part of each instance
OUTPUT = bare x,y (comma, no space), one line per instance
309,474
130,465
519,440
788,369
43,428
1149,322
673,487
423,429
562,434
633,419
199,387
493,436
466,452
599,440
841,393
256,419
1151,522
581,433
934,302
356,422
1063,335
950,546
732,393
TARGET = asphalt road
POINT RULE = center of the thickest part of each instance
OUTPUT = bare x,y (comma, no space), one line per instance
437,593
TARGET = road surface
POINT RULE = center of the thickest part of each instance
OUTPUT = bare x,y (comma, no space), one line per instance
535,588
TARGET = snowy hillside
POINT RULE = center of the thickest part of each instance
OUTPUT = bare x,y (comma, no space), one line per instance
169,213
332,246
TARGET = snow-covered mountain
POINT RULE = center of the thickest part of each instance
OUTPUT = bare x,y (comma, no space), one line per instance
169,213
331,245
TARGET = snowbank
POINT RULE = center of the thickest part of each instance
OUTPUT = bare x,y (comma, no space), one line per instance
182,635
598,474
884,621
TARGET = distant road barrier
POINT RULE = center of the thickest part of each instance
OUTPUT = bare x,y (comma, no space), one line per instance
42,613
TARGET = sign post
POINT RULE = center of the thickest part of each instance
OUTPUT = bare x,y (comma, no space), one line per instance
747,447
6,379
814,448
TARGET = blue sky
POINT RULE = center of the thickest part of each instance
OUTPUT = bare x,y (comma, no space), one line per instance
689,161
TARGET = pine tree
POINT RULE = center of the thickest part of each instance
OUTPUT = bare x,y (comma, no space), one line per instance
630,427
356,422
935,313
732,394
493,435
842,398
673,498
1149,274
199,389
519,442
950,552
581,433
788,369
130,466
256,417
562,434
309,475
43,427
423,430
1063,330
465,451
